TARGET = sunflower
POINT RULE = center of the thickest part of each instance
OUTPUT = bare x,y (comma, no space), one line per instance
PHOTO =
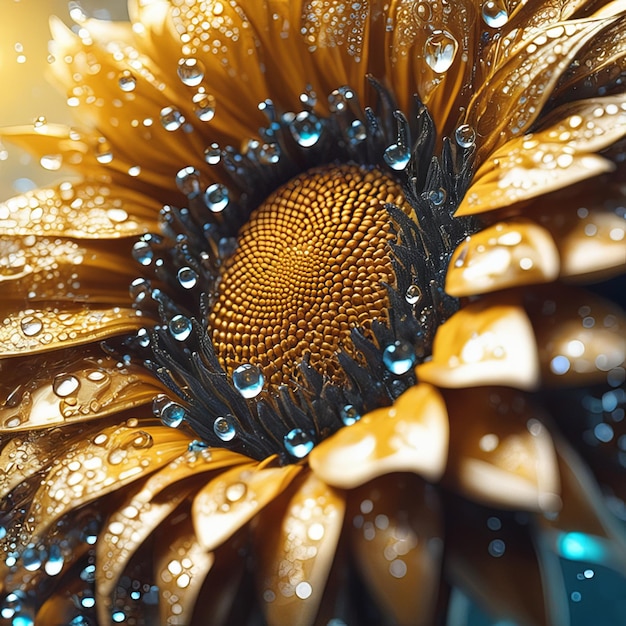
306,342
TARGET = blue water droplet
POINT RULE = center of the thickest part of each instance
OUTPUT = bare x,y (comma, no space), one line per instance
187,277
143,337
298,443
306,129
397,156
435,196
248,380
356,132
55,561
226,247
31,559
224,428
465,136
399,357
12,604
142,252
494,13
170,413
88,574
349,414
180,327
188,181
216,197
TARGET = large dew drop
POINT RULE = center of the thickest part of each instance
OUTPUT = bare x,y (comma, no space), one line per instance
248,380
494,13
439,51
298,443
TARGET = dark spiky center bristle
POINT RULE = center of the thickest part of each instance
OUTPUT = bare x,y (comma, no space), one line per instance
311,264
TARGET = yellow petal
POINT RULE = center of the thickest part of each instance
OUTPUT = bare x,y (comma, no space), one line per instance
396,534
409,436
487,342
105,462
507,254
32,330
296,550
229,501
557,156
580,336
71,388
500,453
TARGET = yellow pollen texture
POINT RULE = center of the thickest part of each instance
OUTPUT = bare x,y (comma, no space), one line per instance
310,266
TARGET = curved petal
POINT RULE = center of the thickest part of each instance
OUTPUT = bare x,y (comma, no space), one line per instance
507,254
397,538
229,501
500,452
490,342
409,436
296,548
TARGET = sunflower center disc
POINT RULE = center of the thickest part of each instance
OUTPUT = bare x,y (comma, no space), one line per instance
311,264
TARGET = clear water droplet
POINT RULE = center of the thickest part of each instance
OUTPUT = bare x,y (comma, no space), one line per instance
413,294
465,136
139,289
248,380
103,152
171,118
399,357
306,129
188,180
31,325
356,132
203,106
127,81
170,413
439,51
212,154
180,327
190,71
235,492
142,252
397,156
12,604
349,414
216,197
143,337
495,13
436,196
55,561
224,428
298,443
65,385
40,123
51,162
187,277
31,559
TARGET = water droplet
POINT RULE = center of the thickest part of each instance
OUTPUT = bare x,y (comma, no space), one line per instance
439,51
190,71
188,181
356,132
306,129
267,153
224,428
465,136
397,156
65,385
204,106
235,491
12,604
40,123
436,196
31,559
399,357
216,197
170,413
298,443
55,561
127,81
103,152
248,380
180,327
226,247
51,162
212,154
495,13
187,277
349,415
423,11
496,548
31,325
142,252
171,118
139,289
413,294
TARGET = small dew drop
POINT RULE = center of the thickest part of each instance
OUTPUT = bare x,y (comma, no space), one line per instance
298,443
496,548
142,252
127,81
170,413
399,357
216,197
171,118
190,71
494,13
188,180
51,162
465,136
349,415
248,380
397,156
40,124
212,154
235,492
306,129
413,294
187,277
203,106
356,132
224,428
31,325
180,327
103,152
65,385
439,51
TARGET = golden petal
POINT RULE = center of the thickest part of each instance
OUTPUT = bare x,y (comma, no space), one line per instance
584,528
35,330
491,556
396,535
490,342
524,74
500,453
580,336
229,501
557,156
409,436
296,548
507,254
85,210
103,463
